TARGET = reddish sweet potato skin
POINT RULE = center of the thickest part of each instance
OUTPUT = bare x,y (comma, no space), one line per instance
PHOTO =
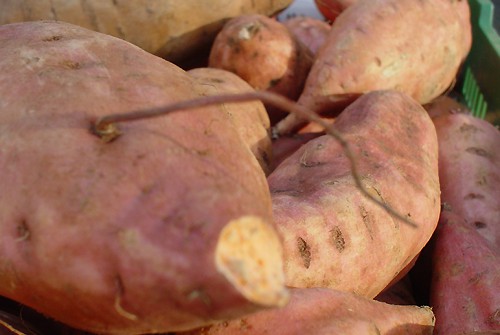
263,52
309,31
416,47
90,232
469,170
465,279
322,311
335,237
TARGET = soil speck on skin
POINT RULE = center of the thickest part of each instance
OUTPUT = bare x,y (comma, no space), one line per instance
305,252
53,38
479,225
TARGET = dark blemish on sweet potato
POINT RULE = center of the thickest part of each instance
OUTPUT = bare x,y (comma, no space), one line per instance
274,82
244,325
23,231
337,238
478,151
479,224
53,38
305,252
494,319
466,128
473,196
366,220
69,64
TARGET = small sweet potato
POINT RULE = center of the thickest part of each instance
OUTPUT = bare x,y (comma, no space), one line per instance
333,235
152,227
332,8
263,52
412,46
322,311
465,279
309,31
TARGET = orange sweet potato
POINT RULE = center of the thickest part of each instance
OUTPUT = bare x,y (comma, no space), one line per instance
154,229
322,311
412,46
333,235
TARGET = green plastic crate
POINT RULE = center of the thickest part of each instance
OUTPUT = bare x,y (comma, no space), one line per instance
480,80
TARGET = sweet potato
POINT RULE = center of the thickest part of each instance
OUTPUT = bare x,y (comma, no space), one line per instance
158,229
332,8
322,311
250,118
469,170
309,31
412,46
465,279
333,235
263,52
168,28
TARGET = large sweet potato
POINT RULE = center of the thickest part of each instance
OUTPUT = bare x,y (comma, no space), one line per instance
160,229
250,118
413,46
168,28
319,311
333,235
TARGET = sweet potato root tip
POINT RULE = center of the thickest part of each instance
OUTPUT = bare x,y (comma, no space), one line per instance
239,254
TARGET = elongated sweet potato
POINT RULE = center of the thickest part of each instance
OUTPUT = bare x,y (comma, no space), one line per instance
412,46
263,52
168,28
325,312
465,279
469,170
155,230
249,118
333,235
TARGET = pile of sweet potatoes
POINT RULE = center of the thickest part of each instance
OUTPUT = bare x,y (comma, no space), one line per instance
145,196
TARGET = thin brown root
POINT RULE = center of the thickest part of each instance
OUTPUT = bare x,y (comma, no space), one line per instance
266,97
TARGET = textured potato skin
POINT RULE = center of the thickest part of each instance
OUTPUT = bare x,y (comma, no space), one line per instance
309,31
250,118
333,236
168,28
322,311
465,279
115,237
469,170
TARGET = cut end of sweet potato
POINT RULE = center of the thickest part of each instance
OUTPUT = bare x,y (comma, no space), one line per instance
249,254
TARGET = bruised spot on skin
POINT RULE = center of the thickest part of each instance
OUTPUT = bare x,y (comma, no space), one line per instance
478,151
305,252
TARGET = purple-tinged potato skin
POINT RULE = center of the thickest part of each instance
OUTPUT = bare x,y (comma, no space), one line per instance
130,236
469,170
333,235
465,279
322,311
